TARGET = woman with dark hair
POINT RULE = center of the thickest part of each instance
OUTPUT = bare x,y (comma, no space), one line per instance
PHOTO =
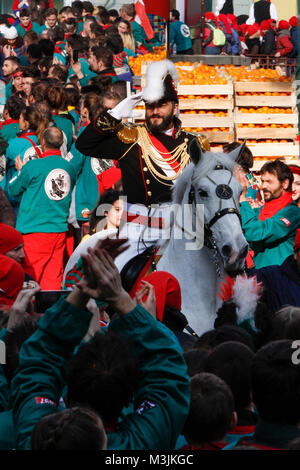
55,96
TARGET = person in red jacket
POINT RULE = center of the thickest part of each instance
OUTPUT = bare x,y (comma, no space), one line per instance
284,43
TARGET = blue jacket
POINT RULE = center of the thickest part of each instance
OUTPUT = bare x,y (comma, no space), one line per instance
294,41
281,284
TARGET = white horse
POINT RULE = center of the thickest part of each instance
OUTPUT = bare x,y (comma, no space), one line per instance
209,181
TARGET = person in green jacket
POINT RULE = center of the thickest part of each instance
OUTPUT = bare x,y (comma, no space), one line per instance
162,396
180,36
270,230
26,24
9,128
45,186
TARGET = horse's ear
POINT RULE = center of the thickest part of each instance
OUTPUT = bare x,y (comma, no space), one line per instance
195,151
234,154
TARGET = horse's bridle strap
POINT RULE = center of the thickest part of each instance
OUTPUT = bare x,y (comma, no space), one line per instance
220,214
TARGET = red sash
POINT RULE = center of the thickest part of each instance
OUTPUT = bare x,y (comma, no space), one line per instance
39,153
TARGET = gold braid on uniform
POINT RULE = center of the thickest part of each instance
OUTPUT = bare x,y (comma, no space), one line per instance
178,155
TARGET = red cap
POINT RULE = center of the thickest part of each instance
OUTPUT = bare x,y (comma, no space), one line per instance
11,280
10,238
209,15
252,29
293,21
297,240
167,291
283,25
265,25
295,169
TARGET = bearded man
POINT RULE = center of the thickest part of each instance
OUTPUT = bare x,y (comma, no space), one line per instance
271,229
151,156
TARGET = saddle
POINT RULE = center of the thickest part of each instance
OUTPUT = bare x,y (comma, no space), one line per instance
138,267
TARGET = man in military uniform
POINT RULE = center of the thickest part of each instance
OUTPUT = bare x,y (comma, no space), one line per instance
151,156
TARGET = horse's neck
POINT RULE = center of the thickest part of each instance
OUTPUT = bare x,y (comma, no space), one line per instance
195,266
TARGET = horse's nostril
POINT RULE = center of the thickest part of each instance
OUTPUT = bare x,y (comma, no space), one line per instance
226,251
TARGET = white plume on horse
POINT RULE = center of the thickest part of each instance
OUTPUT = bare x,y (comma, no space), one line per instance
211,182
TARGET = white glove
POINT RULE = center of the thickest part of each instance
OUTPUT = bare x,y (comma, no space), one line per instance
125,108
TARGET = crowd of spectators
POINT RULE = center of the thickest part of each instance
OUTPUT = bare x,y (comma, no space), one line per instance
98,368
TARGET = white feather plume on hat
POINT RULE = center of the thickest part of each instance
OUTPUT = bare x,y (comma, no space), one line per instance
155,74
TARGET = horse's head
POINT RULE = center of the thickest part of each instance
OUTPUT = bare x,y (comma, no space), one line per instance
212,183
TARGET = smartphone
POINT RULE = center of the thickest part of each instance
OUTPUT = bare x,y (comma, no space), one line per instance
75,55
46,298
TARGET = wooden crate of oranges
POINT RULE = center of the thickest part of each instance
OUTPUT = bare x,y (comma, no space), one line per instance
206,103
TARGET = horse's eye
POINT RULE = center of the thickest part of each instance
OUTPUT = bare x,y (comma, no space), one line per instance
202,193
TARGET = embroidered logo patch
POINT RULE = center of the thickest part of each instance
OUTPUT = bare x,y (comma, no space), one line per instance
57,184
2,167
31,154
145,406
286,221
96,167
44,401
185,31
69,156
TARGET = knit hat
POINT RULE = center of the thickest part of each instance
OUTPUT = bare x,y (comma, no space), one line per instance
10,238
293,21
10,33
118,59
11,280
297,240
283,25
167,291
265,25
161,82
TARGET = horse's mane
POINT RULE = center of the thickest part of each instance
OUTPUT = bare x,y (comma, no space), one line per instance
194,173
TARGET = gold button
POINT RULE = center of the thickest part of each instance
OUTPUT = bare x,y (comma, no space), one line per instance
147,181
145,168
149,193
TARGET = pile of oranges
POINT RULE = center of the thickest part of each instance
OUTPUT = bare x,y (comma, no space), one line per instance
200,75
202,97
266,110
206,129
210,112
265,126
242,73
266,93
135,63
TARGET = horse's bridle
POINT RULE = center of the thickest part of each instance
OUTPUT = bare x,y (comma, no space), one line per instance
208,236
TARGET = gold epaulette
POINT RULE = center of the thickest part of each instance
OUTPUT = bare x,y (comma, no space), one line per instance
127,134
105,123
204,143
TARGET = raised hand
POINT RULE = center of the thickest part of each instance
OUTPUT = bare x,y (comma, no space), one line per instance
150,303
102,281
22,306
125,108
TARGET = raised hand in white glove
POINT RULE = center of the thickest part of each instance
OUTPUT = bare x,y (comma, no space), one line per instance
125,108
